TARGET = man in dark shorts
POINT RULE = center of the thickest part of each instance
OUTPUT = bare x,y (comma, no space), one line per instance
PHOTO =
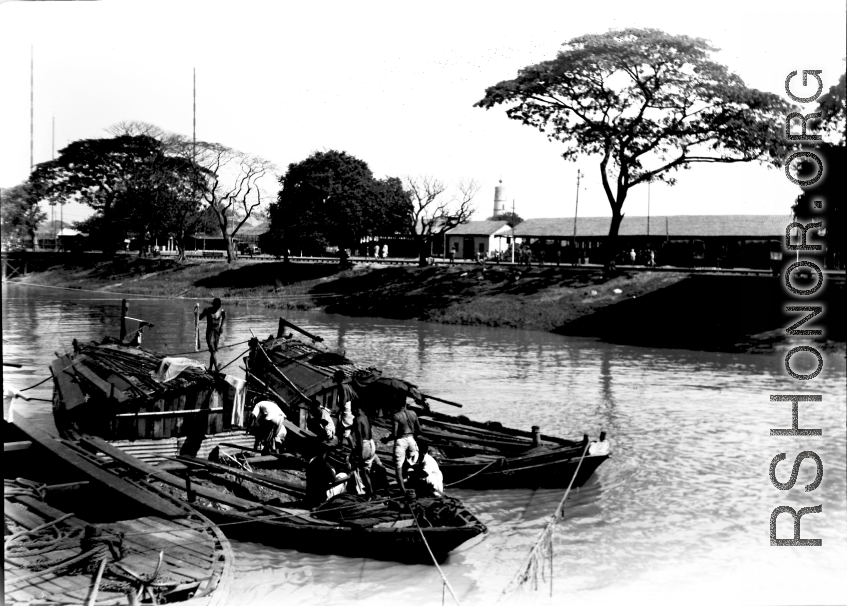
215,319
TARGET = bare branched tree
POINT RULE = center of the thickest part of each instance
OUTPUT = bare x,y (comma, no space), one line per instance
434,210
136,128
232,190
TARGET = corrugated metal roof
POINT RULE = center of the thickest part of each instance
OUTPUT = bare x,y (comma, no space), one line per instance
479,228
766,226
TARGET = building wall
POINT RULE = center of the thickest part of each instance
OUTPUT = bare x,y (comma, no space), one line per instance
488,244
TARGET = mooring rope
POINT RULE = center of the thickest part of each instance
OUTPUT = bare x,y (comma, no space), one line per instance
185,353
444,581
545,538
477,472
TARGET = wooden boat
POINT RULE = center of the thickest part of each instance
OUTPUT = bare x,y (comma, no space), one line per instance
111,390
276,515
471,454
112,547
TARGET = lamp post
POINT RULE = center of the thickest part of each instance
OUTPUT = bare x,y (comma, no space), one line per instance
576,208
649,183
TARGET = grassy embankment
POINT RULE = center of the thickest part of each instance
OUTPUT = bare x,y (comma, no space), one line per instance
661,309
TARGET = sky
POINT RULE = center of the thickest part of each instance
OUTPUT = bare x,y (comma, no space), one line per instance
392,84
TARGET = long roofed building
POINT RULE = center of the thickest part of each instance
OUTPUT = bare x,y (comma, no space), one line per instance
721,240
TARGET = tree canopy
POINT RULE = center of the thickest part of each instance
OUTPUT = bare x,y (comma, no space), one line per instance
21,213
333,199
646,103
829,190
510,217
133,184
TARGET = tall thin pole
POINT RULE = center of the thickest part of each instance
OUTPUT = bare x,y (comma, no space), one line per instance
194,120
648,207
576,209
31,106
513,230
53,205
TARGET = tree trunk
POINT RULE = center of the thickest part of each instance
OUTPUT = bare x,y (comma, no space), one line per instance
422,252
230,249
612,241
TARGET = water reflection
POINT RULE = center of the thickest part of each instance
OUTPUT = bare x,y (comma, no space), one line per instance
679,514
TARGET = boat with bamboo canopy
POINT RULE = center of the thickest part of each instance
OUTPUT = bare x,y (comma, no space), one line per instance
152,405
297,373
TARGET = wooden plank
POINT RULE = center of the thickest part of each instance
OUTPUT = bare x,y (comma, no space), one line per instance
69,392
281,456
107,388
158,422
15,446
96,473
178,421
167,478
21,515
197,543
169,413
288,487
168,421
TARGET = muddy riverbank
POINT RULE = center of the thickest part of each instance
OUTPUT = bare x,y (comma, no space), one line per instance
659,309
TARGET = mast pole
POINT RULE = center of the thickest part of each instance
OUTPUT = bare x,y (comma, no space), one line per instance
31,105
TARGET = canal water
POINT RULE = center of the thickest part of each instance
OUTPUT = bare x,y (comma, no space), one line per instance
679,514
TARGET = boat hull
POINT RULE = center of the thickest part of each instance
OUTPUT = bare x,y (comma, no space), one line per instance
522,474
404,545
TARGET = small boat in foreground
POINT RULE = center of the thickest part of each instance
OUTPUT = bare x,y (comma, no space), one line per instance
113,548
267,505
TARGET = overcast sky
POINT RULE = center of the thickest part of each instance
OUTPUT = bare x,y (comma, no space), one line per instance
387,82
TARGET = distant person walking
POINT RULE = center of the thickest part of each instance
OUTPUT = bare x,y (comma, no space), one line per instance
385,251
215,319
452,256
632,256
376,251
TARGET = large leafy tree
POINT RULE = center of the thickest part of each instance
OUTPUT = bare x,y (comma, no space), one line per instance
829,190
646,103
435,209
136,183
332,199
21,213
107,174
130,181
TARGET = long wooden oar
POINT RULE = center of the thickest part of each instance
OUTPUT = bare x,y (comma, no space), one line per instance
429,397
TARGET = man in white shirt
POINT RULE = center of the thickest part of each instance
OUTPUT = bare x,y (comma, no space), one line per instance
270,428
424,473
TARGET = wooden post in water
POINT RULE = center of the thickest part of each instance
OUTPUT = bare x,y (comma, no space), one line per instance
280,331
124,309
536,435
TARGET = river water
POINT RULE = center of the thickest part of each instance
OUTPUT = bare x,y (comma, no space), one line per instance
679,514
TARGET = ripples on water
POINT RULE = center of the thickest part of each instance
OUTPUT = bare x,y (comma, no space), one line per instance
679,514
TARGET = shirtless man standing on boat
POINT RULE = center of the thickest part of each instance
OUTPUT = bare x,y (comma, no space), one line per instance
215,318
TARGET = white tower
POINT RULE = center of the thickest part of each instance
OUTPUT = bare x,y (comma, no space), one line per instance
499,199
